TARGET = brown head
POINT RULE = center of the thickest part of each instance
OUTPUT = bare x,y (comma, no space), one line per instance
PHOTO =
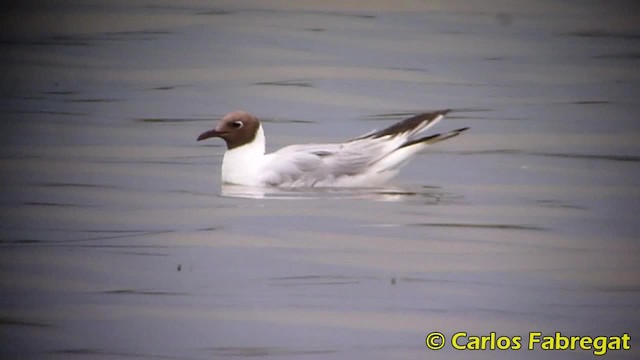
236,129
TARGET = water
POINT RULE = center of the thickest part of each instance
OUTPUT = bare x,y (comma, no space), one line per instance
118,240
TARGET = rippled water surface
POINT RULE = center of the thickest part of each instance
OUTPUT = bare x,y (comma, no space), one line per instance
118,240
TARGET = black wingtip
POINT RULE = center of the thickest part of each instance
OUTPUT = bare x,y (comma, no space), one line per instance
453,133
409,124
432,139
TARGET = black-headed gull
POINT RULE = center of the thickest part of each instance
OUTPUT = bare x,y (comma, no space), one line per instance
366,161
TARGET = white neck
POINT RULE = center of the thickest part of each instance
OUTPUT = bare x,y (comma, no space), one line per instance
240,165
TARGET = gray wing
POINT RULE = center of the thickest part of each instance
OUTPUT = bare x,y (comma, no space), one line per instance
307,165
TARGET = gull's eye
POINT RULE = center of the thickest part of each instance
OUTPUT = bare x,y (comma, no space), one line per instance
237,124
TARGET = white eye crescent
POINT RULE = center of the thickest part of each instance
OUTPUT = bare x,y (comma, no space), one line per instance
237,124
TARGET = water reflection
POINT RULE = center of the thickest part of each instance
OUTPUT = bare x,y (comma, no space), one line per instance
387,193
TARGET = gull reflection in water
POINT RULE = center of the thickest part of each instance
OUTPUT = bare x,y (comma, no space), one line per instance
434,195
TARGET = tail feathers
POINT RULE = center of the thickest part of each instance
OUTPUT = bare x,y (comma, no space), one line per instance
432,139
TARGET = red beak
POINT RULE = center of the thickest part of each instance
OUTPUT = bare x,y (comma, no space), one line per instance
210,134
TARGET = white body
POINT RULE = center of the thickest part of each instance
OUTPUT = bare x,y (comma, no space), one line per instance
363,162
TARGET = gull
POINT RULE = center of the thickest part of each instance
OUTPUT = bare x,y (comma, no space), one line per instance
366,161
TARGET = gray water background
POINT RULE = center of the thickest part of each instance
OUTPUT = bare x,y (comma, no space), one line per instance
117,240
